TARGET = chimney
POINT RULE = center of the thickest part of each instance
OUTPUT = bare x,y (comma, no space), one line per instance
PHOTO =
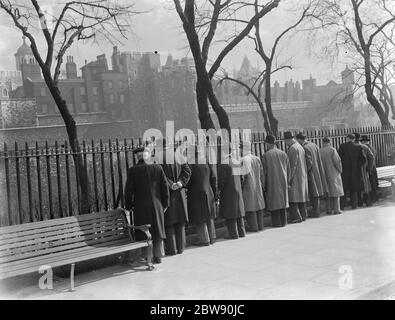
71,68
116,60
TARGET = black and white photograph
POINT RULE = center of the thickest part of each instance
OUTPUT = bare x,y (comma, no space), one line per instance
221,151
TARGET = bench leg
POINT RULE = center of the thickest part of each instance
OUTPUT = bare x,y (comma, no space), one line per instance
150,255
72,277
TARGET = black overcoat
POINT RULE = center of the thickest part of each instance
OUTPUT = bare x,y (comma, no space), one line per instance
147,193
201,194
231,204
178,210
353,159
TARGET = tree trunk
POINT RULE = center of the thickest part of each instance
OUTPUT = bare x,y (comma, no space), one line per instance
71,129
223,118
369,91
268,101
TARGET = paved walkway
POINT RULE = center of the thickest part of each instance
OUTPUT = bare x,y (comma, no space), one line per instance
301,261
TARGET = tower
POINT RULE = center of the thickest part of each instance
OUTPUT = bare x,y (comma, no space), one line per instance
26,63
71,68
348,76
116,59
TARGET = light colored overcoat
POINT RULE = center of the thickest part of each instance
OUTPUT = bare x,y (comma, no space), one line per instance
276,172
298,182
332,166
315,172
252,183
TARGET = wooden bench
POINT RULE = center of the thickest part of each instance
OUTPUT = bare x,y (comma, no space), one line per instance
65,241
386,178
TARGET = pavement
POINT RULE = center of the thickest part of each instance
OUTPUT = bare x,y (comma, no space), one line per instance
347,256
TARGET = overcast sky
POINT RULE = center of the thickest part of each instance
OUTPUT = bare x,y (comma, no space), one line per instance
160,30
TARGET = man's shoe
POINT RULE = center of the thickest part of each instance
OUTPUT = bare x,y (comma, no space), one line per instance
201,244
156,260
296,221
231,237
213,241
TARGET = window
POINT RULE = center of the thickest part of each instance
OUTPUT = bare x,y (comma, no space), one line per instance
120,84
82,91
96,106
94,91
71,107
112,99
122,98
5,93
44,108
110,84
84,107
43,92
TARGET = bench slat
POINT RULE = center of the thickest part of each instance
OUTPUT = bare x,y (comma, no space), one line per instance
87,256
54,235
64,239
58,249
59,221
59,226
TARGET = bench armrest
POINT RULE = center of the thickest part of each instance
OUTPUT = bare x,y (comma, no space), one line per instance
144,228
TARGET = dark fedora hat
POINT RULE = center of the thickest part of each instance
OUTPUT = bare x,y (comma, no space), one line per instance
300,135
288,135
138,149
270,139
365,138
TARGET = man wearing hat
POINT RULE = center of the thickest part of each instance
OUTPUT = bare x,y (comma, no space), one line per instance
252,185
147,194
276,172
332,167
315,173
373,172
178,174
231,204
298,182
364,195
353,159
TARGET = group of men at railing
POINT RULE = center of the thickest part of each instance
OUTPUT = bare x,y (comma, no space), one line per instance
169,194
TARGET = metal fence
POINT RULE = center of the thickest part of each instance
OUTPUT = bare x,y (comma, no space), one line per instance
41,182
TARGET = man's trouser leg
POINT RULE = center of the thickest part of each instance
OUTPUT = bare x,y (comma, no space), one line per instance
232,228
354,199
180,237
241,229
283,217
315,211
170,242
157,249
336,204
252,221
202,231
211,230
329,205
294,212
343,201
303,210
367,199
276,218
260,215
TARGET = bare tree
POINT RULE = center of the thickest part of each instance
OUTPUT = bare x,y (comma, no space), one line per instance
201,23
269,55
364,30
68,22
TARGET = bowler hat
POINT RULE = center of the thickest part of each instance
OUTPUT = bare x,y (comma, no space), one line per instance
288,135
138,149
270,139
365,138
357,136
300,135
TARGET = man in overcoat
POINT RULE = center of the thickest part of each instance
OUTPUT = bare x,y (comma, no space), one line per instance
202,195
373,172
177,174
315,174
367,167
276,172
332,166
231,205
147,195
298,181
353,160
252,185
